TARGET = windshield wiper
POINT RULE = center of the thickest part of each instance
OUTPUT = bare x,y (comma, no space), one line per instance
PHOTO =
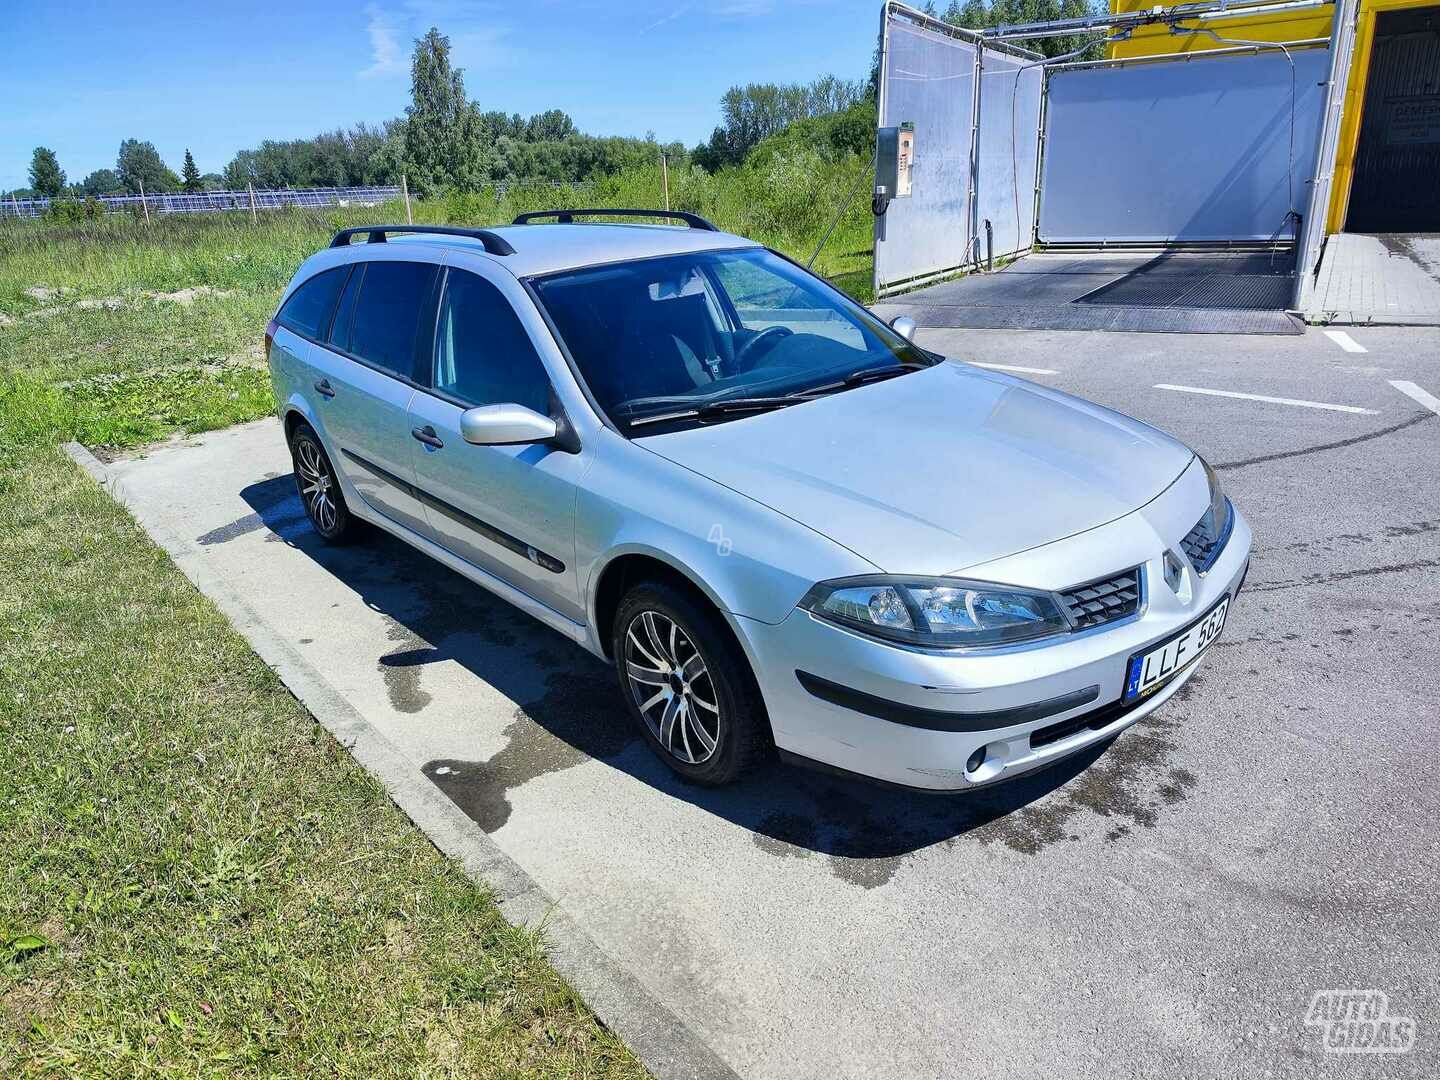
868,375
723,407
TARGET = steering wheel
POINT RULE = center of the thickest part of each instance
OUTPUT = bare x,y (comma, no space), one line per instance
773,334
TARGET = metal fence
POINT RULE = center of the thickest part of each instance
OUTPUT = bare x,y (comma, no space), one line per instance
210,202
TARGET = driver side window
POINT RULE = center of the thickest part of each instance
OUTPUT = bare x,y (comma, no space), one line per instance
762,299
483,356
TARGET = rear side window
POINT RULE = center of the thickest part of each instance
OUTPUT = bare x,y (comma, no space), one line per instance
483,356
307,312
345,313
387,314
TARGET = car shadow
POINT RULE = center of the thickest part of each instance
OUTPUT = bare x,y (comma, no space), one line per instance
569,711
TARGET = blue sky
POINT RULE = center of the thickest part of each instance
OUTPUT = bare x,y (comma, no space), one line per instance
81,77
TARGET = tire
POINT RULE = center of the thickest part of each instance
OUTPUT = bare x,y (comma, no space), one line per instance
319,488
688,685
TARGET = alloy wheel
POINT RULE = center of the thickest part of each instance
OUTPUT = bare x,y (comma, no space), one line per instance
317,485
672,687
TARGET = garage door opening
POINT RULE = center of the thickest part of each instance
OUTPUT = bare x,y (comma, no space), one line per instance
1168,193
1397,161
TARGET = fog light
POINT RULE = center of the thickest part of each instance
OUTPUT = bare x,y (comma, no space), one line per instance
976,760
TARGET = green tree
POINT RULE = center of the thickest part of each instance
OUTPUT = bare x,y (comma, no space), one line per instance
46,176
446,142
139,163
102,182
984,14
752,113
190,173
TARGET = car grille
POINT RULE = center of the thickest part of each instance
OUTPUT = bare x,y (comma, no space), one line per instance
1202,544
1104,601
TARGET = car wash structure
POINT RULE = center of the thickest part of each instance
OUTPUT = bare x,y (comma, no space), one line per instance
1188,168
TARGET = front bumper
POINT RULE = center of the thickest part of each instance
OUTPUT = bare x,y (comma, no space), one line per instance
1028,706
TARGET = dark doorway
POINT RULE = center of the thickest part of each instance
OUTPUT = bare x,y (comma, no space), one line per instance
1397,162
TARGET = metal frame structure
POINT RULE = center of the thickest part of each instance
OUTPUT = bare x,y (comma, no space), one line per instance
1112,22
1136,61
1312,237
1309,237
971,245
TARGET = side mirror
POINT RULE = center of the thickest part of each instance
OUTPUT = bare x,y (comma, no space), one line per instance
505,425
905,326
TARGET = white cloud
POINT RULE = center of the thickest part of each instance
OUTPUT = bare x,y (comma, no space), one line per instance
671,17
388,56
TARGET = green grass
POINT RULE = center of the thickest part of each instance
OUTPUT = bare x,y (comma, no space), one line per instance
197,881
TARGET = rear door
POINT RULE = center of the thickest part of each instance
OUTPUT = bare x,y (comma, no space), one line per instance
507,509
370,360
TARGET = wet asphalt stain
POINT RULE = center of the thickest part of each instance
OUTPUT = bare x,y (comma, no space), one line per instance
1329,544
580,717
1312,580
1418,418
432,621
866,833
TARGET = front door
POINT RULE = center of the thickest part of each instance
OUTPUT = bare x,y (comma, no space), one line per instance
506,509
370,362
1396,187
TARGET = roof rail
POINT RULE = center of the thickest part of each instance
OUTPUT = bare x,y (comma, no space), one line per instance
566,217
494,243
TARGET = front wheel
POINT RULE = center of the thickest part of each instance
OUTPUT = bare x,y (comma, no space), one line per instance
688,685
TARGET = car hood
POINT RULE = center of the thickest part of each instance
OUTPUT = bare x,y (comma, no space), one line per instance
939,470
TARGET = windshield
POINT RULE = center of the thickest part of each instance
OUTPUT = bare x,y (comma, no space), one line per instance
697,338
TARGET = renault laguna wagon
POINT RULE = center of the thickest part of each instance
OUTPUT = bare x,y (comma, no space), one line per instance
784,523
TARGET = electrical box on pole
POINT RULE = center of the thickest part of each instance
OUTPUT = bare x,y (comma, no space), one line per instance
894,159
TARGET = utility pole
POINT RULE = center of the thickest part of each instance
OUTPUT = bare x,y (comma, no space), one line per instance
145,206
405,190
254,217
665,176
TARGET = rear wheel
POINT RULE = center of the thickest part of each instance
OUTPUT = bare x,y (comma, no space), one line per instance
320,488
688,685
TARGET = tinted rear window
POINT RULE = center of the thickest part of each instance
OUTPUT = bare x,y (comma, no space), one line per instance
307,312
387,314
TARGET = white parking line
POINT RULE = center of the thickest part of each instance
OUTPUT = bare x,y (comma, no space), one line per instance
1409,389
1345,341
1263,397
1012,367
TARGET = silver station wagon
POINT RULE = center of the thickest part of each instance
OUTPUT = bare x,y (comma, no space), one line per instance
785,524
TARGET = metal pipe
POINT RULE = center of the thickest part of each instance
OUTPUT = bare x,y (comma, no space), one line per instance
1122,20
1128,61
930,22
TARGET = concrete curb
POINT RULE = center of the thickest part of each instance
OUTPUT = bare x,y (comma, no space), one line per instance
666,1046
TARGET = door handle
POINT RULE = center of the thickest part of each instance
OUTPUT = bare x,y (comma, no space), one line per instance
427,435
324,388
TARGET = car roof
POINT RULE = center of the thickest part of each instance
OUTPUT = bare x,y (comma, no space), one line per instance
544,249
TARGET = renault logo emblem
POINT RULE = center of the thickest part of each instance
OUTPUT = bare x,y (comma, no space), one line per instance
1174,572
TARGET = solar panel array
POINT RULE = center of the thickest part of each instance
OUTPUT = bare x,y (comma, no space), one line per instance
208,202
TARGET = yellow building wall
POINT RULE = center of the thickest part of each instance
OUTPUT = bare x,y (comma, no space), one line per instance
1283,26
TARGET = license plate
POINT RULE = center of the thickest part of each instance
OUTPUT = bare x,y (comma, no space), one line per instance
1148,671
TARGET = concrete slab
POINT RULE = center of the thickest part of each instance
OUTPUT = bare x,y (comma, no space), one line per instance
1391,278
1164,906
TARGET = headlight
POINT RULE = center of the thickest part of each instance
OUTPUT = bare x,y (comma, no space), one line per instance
1219,504
937,611
1207,540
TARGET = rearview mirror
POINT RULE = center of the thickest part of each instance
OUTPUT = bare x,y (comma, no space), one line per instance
505,425
904,325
